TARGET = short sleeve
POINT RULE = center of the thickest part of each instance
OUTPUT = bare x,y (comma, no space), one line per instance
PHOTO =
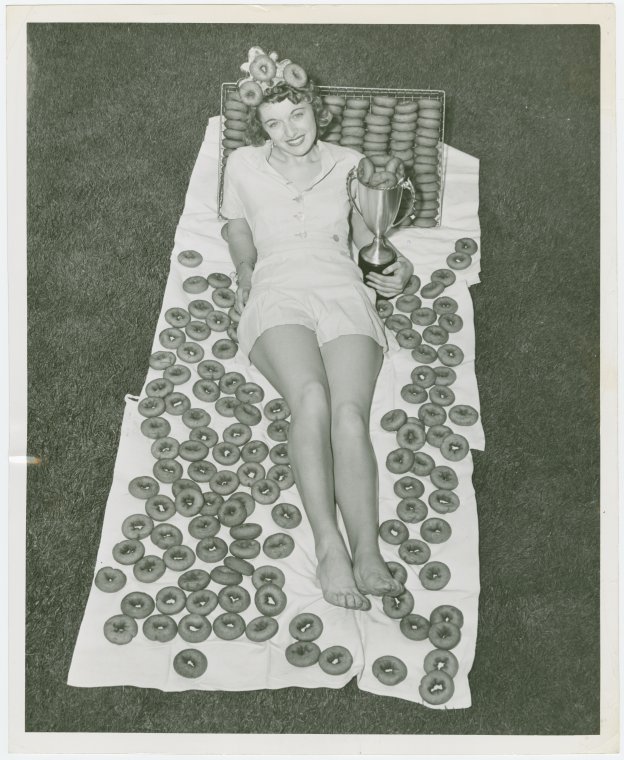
231,205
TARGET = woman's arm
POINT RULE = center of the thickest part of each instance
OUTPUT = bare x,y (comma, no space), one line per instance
244,256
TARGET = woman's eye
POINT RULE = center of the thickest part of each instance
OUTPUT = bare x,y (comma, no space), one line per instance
299,114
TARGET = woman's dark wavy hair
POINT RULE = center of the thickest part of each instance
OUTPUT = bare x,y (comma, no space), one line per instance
282,91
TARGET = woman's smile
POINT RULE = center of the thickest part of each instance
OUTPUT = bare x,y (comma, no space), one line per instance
290,126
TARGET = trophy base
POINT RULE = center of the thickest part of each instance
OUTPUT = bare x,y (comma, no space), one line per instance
367,267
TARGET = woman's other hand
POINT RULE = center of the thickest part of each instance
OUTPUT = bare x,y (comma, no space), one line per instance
242,292
394,278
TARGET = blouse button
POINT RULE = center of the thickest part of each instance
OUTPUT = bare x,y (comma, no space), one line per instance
336,238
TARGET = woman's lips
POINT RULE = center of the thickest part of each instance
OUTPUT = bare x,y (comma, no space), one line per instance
296,140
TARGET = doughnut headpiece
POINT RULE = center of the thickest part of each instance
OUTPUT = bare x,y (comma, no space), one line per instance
265,71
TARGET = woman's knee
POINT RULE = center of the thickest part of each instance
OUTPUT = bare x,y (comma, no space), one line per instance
310,398
350,419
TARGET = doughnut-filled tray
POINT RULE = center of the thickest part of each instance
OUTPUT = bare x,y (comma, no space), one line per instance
381,123
205,574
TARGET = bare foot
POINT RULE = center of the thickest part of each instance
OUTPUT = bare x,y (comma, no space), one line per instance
372,575
336,576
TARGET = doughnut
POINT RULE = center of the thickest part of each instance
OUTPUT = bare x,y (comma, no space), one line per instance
161,359
204,526
137,604
246,531
254,451
251,93
270,600
408,338
400,145
377,132
160,628
234,598
171,337
194,628
265,491
443,501
245,548
306,626
435,334
246,500
444,477
408,487
463,414
405,118
384,308
415,627
423,376
397,571
389,670
377,120
414,552
201,602
179,558
188,502
413,394
411,510
334,100
110,579
406,106
250,472
436,434
225,348
379,159
155,427
276,409
426,178
393,532
351,140
249,392
224,482
428,141
282,475
278,430
170,600
194,580
197,330
226,576
239,565
435,530
230,114
403,131
286,515
294,75
454,447
434,124
167,470
165,448
335,660
397,322
268,575
425,354
434,576
137,526
159,387
387,101
427,132
143,487
441,395
447,613
397,607
459,260
353,131
236,105
441,659
436,687
212,502
201,471
432,414
232,332
279,454
466,245
423,463
230,143
261,628
128,552
177,403
358,104
232,513
399,460
226,405
228,626
423,316
120,629
452,323
190,352
211,549
450,355
445,375
166,535
206,435
226,453
263,68
195,284
160,507
178,374
302,654
278,545
234,121
247,413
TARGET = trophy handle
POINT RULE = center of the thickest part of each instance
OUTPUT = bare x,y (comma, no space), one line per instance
407,183
350,177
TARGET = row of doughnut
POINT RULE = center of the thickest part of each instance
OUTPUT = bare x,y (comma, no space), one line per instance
385,127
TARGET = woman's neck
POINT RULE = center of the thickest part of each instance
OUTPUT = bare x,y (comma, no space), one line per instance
311,157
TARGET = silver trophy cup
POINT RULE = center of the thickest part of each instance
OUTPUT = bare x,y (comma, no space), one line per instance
378,208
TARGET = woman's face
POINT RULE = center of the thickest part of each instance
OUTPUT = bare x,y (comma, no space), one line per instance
291,126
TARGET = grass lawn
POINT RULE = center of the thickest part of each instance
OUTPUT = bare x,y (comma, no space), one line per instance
115,121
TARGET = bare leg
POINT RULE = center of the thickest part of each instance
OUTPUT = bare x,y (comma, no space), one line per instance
352,364
288,356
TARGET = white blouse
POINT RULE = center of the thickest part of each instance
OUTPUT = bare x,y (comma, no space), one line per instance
282,217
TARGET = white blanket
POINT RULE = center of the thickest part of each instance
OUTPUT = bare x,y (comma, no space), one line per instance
241,664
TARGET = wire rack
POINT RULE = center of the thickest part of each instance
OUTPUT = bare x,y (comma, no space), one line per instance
368,93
